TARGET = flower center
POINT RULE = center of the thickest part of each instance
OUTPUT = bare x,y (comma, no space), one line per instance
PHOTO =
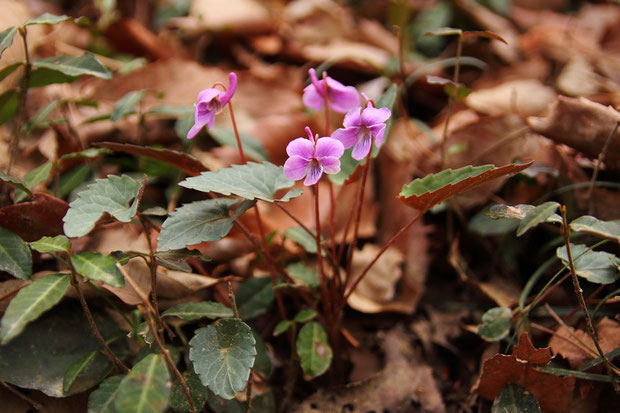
214,105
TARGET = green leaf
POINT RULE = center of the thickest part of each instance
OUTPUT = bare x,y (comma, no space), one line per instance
125,105
595,266
484,225
386,101
17,183
536,216
496,324
48,18
15,256
174,111
262,363
252,147
81,367
513,398
347,167
281,327
6,38
98,267
196,311
223,355
72,179
71,67
198,222
254,297
250,181
146,388
198,392
39,120
59,243
102,399
305,315
303,273
30,302
444,31
32,179
6,71
90,153
422,194
313,349
301,236
8,105
593,226
113,195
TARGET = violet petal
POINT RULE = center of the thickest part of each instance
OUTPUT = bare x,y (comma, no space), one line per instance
312,99
362,147
331,164
315,171
353,117
328,147
344,100
301,147
295,168
374,116
378,131
346,136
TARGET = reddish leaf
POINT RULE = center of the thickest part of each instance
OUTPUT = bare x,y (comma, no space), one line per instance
36,219
486,33
554,393
183,161
449,183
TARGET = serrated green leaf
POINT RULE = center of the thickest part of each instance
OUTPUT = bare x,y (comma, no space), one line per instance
536,216
254,297
6,38
513,398
30,302
6,71
313,349
305,315
301,236
198,392
496,324
32,179
8,105
146,388
102,399
252,147
281,327
17,183
303,273
98,267
74,66
15,256
125,105
595,266
251,181
223,355
196,311
59,243
593,226
118,196
198,222
48,18
81,367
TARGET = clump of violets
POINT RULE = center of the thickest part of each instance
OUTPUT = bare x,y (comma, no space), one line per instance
311,157
360,127
211,101
340,98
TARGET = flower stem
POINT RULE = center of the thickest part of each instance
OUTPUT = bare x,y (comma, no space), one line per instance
319,254
234,123
455,79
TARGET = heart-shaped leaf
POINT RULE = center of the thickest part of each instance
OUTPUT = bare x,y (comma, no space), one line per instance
223,355
313,349
251,181
593,226
422,194
102,399
595,266
15,257
201,221
146,388
495,324
118,196
536,216
30,302
6,38
98,267
195,311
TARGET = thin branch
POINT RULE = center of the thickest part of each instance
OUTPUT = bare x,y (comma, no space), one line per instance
38,406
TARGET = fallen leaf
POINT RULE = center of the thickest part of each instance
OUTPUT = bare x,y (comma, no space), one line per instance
577,78
239,16
524,97
131,37
554,393
35,219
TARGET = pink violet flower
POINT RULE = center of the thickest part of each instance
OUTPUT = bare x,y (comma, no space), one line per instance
211,101
310,158
360,125
340,98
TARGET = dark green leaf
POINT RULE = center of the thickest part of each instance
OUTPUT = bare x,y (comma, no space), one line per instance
197,222
595,266
98,267
301,236
102,399
484,225
305,315
118,196
496,324
513,398
15,257
34,178
6,38
90,153
82,367
125,105
59,243
250,181
178,400
593,226
17,183
40,118
313,349
43,77
146,388
252,147
536,216
223,355
254,297
347,167
6,71
305,274
30,302
8,105
281,327
73,66
196,311
72,179
264,403
262,363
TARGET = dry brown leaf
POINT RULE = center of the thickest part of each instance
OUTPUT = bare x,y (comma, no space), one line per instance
239,16
524,97
577,78
560,42
346,51
35,219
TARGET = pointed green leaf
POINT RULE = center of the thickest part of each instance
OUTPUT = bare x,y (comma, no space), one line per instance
102,399
496,324
281,327
59,243
301,236
303,273
30,302
8,105
201,221
178,400
98,267
118,196
424,193
32,179
125,105
73,66
595,266
593,226
90,153
513,398
15,256
73,179
223,355
252,147
250,181
146,388
17,183
196,311
305,315
6,38
48,18
536,216
39,120
313,349
6,71
254,297
81,367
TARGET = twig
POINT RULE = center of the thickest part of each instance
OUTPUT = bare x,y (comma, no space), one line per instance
248,392
457,66
582,302
38,406
232,300
597,166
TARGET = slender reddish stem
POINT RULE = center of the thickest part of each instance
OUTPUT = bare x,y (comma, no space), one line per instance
319,254
234,123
